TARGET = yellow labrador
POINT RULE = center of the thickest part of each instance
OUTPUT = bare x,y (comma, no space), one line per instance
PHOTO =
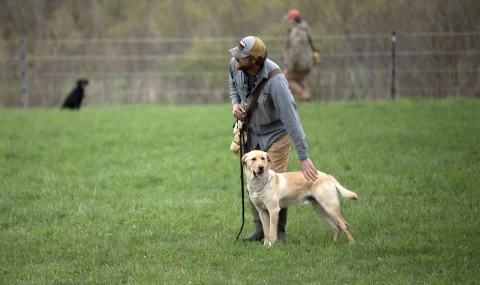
271,191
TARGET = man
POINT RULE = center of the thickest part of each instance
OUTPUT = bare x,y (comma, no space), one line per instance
274,122
297,55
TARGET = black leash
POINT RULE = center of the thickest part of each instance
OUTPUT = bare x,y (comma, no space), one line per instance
242,145
246,147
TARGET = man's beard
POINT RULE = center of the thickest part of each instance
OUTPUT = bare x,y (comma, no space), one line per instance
246,66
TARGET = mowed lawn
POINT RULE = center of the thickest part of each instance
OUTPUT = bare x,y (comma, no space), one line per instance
151,195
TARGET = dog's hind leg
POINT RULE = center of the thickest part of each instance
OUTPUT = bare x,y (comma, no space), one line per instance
334,213
323,214
345,227
328,200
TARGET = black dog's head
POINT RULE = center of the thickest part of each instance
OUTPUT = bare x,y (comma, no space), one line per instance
82,82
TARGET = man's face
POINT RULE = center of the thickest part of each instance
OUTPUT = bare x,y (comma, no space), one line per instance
246,63
291,21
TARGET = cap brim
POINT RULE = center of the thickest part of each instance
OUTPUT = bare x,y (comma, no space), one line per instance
237,53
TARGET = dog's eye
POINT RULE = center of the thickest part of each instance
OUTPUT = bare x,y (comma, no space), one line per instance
254,159
263,158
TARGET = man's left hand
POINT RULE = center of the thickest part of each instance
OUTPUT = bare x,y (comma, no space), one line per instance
309,170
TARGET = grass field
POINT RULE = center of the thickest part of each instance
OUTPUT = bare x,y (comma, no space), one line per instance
151,195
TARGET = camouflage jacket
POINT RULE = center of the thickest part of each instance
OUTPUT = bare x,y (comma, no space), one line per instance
297,54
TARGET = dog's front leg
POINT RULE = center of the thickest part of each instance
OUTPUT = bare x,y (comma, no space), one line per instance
265,218
271,238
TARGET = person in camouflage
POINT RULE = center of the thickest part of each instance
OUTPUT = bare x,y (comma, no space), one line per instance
297,56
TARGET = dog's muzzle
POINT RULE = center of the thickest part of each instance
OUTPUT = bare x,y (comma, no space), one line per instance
260,174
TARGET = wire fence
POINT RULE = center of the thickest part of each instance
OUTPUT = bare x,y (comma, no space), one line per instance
195,70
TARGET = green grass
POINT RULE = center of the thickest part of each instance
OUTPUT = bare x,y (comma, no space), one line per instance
151,195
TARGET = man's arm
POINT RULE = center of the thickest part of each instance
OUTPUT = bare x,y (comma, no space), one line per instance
237,109
287,110
234,96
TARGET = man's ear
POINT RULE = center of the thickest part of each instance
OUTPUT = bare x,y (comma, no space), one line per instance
244,158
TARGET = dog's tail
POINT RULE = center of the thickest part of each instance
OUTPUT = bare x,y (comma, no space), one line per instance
342,190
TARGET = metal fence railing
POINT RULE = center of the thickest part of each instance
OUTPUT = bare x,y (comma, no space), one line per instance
195,71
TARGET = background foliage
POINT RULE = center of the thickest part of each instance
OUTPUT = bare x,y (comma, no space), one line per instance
175,52
41,19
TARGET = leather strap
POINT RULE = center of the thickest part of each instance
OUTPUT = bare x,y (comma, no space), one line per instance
257,92
311,43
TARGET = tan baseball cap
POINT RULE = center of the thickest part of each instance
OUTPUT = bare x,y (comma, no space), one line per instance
249,46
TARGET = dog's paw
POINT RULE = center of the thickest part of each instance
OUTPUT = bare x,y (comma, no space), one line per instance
268,243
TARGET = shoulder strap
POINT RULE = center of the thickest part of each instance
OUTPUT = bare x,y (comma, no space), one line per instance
253,104
311,43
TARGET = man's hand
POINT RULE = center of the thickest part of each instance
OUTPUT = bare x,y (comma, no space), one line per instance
238,111
309,171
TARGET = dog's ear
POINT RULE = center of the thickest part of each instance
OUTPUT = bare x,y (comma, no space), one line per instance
268,158
244,159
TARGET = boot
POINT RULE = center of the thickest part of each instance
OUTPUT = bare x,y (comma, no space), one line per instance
282,225
257,234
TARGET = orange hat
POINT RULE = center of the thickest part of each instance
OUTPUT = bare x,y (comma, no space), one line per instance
293,13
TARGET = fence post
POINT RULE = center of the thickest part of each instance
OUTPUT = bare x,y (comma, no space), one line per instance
23,70
394,41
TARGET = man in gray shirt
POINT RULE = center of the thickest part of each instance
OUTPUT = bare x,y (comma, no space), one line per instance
275,122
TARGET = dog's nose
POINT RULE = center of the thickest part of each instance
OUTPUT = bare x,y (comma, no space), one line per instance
260,168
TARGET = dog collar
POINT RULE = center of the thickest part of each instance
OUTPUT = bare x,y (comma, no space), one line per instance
266,180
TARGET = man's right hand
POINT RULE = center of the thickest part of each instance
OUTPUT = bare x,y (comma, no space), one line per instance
238,111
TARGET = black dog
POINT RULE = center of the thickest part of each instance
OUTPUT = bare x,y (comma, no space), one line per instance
74,99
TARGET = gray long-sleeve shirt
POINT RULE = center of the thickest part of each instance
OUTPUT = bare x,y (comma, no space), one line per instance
276,111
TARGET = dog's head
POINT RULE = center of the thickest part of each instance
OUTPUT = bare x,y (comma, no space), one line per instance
256,164
82,83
